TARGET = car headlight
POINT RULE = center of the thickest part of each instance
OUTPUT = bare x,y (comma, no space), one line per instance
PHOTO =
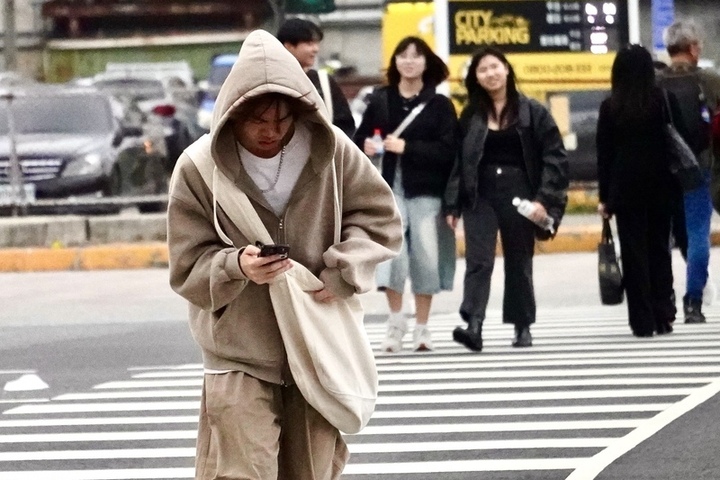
90,164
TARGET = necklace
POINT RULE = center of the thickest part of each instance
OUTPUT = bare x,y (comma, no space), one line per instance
277,174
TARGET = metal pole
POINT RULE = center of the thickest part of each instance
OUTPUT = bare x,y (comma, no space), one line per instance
10,47
17,189
634,21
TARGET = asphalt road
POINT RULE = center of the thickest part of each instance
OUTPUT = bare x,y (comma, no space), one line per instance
124,376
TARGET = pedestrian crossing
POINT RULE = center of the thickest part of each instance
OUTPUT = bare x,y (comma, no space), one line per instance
585,393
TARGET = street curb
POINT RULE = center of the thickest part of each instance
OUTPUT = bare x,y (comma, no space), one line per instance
91,257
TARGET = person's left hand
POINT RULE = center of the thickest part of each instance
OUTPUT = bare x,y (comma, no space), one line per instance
394,144
324,295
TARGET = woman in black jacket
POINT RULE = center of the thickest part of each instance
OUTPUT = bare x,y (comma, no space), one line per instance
416,164
511,147
637,187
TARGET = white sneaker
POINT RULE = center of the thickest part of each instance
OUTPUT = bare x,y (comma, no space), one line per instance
396,329
421,338
709,292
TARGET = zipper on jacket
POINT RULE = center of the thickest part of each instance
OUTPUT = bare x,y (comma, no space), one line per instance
281,231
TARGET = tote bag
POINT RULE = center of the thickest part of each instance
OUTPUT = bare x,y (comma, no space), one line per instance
609,273
327,347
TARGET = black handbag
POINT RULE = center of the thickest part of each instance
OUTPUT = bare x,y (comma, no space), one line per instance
683,162
610,277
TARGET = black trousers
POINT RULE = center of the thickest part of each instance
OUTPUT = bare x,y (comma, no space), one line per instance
494,211
644,233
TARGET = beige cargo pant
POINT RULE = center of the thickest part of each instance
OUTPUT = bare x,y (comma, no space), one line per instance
254,430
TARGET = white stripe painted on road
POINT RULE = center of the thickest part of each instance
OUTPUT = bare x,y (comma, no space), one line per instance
114,395
98,454
527,396
500,427
510,411
102,407
587,382
469,358
120,474
25,400
127,384
149,384
581,372
407,447
450,466
660,359
98,436
592,468
67,422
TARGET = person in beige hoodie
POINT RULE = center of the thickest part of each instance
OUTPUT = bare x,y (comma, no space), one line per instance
271,137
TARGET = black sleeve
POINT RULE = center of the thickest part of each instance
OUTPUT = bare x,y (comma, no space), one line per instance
370,121
552,192
605,149
342,117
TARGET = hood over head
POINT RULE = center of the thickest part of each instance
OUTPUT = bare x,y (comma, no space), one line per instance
263,66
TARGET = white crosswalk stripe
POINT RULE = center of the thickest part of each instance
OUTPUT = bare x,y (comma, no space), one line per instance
586,391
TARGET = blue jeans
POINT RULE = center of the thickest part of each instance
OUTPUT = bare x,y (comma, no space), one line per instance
698,211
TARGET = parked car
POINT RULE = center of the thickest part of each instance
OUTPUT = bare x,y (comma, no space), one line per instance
168,102
220,67
69,143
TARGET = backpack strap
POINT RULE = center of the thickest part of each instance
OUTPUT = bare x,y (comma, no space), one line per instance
326,92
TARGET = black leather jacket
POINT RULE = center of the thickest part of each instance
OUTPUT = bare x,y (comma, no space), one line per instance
543,151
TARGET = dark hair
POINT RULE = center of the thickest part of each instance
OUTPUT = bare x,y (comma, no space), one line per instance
435,69
479,99
298,30
266,100
632,86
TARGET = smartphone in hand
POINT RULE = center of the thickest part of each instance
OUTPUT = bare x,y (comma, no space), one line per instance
274,249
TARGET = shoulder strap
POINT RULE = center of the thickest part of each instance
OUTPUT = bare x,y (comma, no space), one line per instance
326,93
408,120
668,110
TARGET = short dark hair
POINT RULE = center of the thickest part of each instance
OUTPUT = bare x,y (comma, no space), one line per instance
298,30
266,100
435,69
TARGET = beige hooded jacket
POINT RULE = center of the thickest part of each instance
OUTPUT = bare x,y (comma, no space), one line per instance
231,318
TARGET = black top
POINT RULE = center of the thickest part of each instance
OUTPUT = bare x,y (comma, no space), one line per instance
430,139
342,116
543,154
503,147
633,166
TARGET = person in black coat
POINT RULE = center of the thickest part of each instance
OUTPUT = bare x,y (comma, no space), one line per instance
511,147
416,164
636,186
302,38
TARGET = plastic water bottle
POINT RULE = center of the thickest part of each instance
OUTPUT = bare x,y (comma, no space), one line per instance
526,208
377,141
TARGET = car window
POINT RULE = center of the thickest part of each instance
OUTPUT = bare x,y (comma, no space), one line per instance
140,89
59,114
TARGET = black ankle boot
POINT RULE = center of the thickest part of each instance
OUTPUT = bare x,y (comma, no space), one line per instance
693,310
471,336
522,337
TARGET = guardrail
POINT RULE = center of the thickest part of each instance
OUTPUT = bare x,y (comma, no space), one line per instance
88,204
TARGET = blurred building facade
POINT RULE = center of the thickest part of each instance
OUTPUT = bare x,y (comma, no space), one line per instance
59,39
